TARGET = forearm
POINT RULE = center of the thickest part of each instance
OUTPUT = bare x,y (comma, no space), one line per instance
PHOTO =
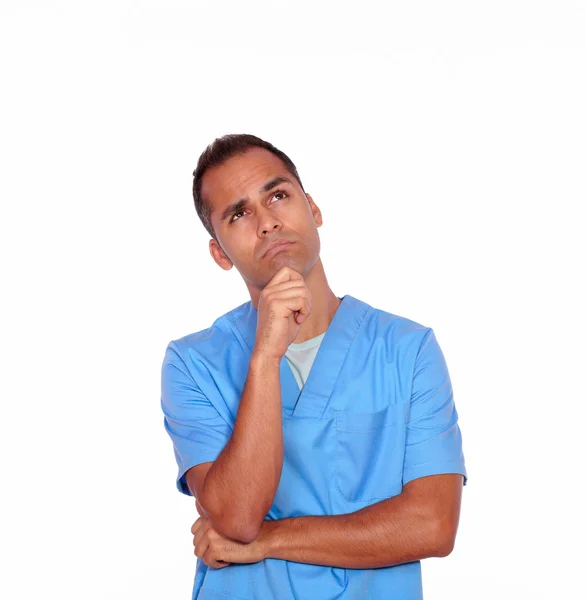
242,482
388,533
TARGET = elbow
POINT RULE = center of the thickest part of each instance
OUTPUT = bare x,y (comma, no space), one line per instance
442,538
240,532
247,537
247,529
237,528
236,533
445,549
246,525
239,524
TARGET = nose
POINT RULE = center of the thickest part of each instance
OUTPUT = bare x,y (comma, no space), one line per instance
267,223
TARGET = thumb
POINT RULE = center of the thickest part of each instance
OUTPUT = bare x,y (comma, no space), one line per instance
299,318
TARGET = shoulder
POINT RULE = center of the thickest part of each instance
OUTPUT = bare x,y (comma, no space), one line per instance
212,338
400,333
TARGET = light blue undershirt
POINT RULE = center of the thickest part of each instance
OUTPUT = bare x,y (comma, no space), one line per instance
301,356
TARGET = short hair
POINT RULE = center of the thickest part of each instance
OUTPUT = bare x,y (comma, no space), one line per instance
218,152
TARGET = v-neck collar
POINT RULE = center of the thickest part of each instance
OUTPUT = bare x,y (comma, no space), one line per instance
312,400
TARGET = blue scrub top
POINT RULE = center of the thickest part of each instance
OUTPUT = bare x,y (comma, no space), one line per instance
376,412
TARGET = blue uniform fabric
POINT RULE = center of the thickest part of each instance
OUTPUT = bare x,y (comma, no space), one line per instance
377,411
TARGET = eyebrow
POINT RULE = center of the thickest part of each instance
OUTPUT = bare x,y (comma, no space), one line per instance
237,206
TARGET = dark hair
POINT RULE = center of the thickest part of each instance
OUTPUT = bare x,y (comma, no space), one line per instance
219,151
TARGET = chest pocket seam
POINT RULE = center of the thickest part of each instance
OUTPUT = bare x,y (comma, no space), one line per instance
370,449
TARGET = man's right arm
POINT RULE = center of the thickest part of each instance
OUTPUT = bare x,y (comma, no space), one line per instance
237,490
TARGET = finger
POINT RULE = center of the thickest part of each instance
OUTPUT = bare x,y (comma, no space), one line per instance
299,293
201,547
197,524
294,284
210,558
285,274
300,317
201,531
278,295
300,305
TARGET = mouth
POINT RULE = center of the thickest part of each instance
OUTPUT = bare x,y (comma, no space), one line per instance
277,248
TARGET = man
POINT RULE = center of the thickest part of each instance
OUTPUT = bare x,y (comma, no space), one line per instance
318,434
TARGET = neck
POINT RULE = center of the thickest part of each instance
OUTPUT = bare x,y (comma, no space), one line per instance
324,304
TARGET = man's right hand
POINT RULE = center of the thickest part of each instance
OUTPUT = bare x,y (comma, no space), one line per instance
283,306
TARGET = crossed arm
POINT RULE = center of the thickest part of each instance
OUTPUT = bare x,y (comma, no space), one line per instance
418,523
421,522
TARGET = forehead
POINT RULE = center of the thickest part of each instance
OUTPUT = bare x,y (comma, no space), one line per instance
241,175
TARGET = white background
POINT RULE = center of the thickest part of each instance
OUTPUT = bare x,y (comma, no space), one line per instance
445,145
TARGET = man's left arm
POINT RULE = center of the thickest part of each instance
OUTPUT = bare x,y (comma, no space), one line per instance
420,522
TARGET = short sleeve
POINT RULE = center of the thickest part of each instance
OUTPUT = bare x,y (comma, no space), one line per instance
434,440
197,430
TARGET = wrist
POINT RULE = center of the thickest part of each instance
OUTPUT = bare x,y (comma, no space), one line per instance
268,538
262,362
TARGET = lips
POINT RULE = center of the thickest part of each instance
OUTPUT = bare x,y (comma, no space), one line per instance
276,246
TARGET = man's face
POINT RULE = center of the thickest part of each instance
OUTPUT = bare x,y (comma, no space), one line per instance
245,230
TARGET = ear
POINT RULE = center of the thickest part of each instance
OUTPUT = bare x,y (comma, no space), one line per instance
219,255
315,210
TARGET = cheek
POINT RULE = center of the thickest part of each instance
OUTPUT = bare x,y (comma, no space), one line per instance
243,250
313,241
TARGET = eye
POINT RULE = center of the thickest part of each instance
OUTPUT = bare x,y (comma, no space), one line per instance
279,192
276,193
232,218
